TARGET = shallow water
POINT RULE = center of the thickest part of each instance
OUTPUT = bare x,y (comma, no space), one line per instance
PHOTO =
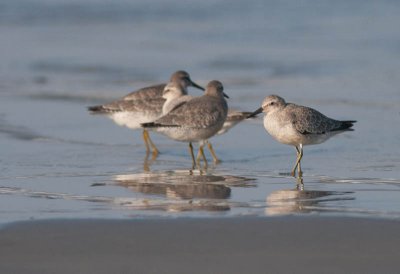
58,57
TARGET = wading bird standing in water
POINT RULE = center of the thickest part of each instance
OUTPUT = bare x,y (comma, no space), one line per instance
298,126
196,120
142,106
175,96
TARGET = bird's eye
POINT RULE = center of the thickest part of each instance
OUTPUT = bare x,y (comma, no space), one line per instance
272,103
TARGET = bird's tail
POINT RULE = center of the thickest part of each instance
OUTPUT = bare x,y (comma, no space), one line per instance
154,125
238,115
149,125
346,125
98,110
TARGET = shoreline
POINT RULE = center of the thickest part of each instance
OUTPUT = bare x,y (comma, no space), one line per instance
202,245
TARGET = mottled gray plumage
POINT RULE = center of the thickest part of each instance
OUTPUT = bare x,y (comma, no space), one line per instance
181,77
298,125
199,113
149,105
309,121
146,92
196,120
186,115
133,102
175,97
147,99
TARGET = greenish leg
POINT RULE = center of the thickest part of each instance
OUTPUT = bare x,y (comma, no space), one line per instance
299,171
298,159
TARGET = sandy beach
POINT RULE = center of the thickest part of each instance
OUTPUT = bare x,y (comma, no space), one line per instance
185,245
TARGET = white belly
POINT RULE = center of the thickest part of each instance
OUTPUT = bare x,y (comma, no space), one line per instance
282,131
132,119
190,134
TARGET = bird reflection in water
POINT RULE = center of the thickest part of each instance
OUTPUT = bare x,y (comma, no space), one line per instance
299,200
184,192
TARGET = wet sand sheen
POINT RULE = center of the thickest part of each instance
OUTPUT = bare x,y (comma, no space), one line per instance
231,245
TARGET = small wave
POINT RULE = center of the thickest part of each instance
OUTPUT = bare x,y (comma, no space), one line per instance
170,205
25,134
390,181
84,12
19,132
360,102
273,68
92,98
50,195
76,67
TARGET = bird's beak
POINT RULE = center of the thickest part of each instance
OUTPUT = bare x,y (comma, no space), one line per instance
196,85
258,111
226,96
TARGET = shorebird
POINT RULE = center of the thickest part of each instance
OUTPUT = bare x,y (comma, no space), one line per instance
142,106
298,126
195,120
175,96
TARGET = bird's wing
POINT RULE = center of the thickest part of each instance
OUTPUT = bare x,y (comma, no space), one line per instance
310,121
147,105
236,115
197,113
145,93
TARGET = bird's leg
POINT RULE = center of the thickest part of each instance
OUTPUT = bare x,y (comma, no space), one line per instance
198,157
215,158
201,152
148,142
192,155
299,151
201,155
155,150
299,171
145,137
293,172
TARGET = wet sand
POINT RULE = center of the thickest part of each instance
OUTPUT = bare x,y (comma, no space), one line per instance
184,245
